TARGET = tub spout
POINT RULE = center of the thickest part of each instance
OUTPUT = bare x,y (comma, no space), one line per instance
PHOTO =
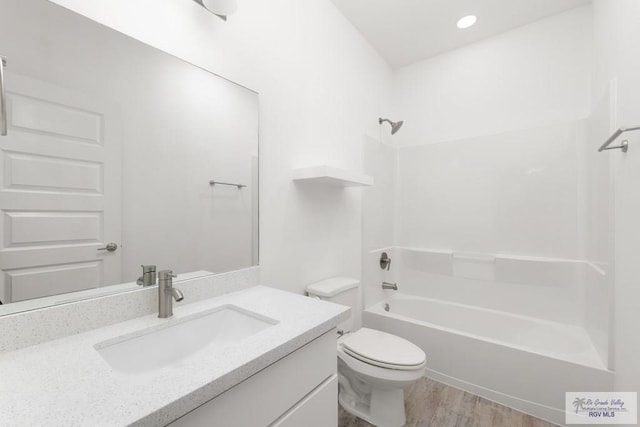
392,286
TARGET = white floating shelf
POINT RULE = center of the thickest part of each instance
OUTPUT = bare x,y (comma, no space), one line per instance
328,175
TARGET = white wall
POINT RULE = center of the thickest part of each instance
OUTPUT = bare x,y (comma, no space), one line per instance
379,201
617,31
512,193
322,88
379,218
517,194
597,200
528,77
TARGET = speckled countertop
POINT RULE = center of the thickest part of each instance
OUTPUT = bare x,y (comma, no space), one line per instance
67,382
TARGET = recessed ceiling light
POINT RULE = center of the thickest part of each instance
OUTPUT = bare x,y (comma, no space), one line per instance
467,21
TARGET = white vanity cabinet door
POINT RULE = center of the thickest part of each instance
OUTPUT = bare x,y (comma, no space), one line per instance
267,396
318,409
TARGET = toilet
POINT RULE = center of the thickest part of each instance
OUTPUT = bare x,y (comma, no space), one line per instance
373,366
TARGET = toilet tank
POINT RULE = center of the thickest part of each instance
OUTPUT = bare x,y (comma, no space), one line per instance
340,290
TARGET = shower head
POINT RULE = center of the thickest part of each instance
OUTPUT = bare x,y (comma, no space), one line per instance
395,126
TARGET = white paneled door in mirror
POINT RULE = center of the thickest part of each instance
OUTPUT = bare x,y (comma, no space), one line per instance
60,192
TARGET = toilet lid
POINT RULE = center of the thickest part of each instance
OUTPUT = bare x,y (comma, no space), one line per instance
383,349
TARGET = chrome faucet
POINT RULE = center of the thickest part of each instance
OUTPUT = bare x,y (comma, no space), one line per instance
148,277
167,293
392,286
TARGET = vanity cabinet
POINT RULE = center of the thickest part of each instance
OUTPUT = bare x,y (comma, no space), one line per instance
301,389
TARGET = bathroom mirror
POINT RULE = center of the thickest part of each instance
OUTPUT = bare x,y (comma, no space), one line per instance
117,155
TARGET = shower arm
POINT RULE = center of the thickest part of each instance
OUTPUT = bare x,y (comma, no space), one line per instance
616,134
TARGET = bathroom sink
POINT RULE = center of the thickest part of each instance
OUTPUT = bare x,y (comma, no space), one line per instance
165,345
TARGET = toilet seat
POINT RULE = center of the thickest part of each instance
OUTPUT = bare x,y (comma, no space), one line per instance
383,350
380,376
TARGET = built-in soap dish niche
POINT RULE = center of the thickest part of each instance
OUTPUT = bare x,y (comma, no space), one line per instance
331,176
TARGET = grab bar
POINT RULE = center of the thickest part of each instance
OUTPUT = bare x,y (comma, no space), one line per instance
617,133
227,183
3,99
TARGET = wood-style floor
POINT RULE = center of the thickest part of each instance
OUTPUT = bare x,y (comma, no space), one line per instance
432,404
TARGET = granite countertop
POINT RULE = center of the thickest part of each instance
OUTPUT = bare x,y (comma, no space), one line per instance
67,382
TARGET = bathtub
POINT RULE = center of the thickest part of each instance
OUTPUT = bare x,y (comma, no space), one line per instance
518,361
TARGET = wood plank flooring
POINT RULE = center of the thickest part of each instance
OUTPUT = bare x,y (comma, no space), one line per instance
429,403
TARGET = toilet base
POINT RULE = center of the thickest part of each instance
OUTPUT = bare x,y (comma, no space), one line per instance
380,407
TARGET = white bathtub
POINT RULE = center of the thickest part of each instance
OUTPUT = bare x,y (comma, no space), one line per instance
522,362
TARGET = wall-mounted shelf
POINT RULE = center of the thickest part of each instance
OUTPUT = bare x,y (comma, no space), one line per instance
328,175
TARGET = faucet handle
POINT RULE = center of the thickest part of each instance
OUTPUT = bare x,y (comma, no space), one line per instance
166,275
148,269
148,277
385,261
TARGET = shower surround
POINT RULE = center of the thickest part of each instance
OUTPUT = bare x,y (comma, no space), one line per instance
492,248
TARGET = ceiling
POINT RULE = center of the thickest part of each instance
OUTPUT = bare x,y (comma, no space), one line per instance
406,31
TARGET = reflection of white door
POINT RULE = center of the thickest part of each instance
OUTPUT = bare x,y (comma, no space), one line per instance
59,191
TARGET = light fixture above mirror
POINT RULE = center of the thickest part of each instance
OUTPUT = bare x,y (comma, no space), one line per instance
221,8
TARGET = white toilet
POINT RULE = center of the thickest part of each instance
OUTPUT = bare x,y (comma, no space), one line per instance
373,366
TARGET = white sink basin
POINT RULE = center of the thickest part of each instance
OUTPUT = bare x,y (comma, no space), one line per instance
164,345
